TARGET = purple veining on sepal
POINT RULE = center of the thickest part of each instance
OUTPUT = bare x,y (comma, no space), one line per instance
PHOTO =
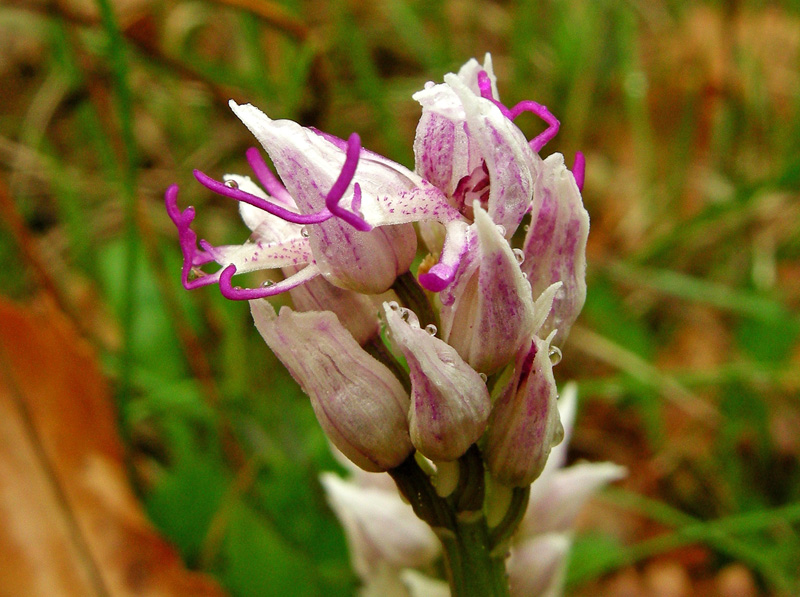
290,216
342,182
579,169
245,294
192,256
537,109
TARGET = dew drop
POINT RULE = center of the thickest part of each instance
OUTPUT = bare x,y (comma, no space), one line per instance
501,229
304,232
405,314
526,227
555,355
519,255
237,287
394,306
231,184
558,435
268,283
431,329
484,377
524,275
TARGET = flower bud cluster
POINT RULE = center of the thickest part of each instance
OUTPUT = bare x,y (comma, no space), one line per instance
389,546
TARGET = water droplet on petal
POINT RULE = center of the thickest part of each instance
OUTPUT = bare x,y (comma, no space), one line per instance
304,232
268,283
558,435
484,377
231,184
524,275
519,255
394,306
526,227
405,314
501,229
431,329
237,287
555,355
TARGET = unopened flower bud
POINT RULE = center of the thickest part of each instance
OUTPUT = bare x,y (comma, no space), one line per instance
449,400
360,405
525,424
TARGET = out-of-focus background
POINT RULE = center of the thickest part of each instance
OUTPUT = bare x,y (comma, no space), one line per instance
156,428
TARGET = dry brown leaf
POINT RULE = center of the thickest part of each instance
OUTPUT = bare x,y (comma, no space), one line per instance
70,523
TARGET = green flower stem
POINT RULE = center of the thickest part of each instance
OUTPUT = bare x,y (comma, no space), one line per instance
473,568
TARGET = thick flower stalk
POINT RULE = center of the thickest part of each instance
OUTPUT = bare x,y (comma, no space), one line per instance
447,381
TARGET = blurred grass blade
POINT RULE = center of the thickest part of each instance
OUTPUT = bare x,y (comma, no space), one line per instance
702,291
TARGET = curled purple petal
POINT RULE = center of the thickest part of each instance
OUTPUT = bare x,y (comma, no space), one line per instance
268,180
485,85
192,256
290,216
340,187
538,142
438,277
245,294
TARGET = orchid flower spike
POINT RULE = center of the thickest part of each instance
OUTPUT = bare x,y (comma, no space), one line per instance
461,410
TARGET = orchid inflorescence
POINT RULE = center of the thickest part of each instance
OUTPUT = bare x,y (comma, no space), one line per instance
466,423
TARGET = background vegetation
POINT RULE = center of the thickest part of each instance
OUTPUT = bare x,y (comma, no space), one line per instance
687,352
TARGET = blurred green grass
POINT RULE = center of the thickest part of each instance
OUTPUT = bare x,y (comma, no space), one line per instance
687,352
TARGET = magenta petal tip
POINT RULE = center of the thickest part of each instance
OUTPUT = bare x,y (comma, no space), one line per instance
434,282
579,169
